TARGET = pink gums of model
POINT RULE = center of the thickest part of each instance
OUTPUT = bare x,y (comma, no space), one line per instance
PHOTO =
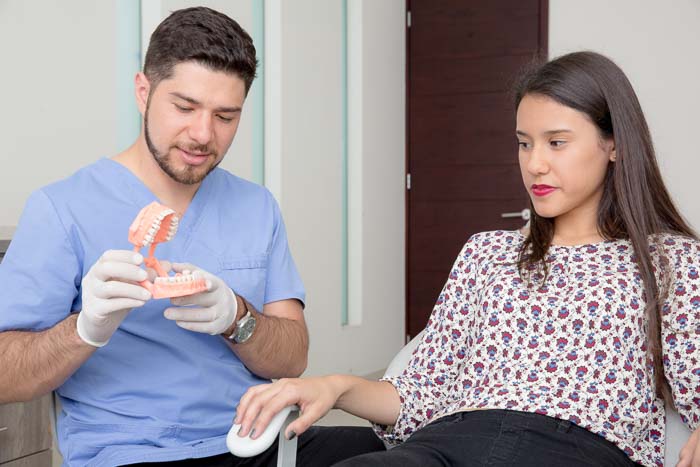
156,224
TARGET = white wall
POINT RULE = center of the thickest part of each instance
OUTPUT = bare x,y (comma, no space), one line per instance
311,184
657,44
60,113
383,186
58,90
60,93
310,172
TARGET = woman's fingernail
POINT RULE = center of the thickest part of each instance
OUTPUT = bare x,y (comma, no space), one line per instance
252,432
239,431
292,435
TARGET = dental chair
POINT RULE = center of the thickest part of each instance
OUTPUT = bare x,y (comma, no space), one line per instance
677,433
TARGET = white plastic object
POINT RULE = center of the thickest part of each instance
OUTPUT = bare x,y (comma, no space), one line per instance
247,447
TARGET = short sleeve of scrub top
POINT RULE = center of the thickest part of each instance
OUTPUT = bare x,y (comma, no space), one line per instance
282,280
40,274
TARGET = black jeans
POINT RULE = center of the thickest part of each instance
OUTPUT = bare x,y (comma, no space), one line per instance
317,447
498,438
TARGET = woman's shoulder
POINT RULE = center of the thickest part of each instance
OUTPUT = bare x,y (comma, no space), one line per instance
497,237
674,239
494,241
678,249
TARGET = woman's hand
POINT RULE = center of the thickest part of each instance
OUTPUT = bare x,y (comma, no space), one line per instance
690,454
314,396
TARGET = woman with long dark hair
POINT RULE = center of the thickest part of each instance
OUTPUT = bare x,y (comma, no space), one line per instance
558,344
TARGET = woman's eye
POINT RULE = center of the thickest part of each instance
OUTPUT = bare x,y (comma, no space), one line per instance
523,145
557,143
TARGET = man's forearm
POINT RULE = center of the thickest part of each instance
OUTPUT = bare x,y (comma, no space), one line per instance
35,363
277,349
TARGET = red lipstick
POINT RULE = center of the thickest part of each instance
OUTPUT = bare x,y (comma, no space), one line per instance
542,190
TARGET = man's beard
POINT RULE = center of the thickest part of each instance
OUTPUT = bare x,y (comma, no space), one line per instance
188,176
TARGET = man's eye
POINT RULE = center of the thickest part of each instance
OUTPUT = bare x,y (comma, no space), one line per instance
183,109
225,119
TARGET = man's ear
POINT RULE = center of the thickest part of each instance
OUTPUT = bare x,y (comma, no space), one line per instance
142,88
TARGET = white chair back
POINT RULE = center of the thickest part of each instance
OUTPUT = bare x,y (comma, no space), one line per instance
401,359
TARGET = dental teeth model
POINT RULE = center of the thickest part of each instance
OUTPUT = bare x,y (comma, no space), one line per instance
153,225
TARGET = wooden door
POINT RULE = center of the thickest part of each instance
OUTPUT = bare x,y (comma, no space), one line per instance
462,163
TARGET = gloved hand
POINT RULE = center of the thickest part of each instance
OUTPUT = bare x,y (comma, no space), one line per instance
213,311
110,290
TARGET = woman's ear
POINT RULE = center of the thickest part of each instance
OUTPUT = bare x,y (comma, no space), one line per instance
612,155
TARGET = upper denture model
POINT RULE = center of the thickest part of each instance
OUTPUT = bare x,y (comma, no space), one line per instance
153,225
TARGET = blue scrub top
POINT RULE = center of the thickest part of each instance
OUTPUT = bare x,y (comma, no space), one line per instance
156,392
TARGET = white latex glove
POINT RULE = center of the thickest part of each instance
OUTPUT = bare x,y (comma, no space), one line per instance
110,291
212,311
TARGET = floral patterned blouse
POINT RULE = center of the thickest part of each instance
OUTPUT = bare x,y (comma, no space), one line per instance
573,348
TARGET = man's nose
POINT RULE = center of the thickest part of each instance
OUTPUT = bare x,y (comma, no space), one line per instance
201,129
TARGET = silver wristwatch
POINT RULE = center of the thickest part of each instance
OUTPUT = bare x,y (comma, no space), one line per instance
244,328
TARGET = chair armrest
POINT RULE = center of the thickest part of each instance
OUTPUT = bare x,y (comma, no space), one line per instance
247,447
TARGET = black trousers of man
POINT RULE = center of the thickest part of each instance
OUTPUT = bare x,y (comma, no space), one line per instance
317,447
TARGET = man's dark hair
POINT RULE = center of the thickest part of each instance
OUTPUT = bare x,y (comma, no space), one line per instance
203,36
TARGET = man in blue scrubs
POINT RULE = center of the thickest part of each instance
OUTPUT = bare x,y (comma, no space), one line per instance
144,380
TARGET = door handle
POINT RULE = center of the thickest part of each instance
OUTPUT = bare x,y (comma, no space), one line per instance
524,214
3,428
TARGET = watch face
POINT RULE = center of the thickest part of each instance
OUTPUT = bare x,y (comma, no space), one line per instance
245,331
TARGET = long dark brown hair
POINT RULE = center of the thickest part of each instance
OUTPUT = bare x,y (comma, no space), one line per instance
635,204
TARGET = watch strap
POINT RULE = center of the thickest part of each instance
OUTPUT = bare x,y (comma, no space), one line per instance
240,323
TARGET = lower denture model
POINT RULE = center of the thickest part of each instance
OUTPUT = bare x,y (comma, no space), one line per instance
153,225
